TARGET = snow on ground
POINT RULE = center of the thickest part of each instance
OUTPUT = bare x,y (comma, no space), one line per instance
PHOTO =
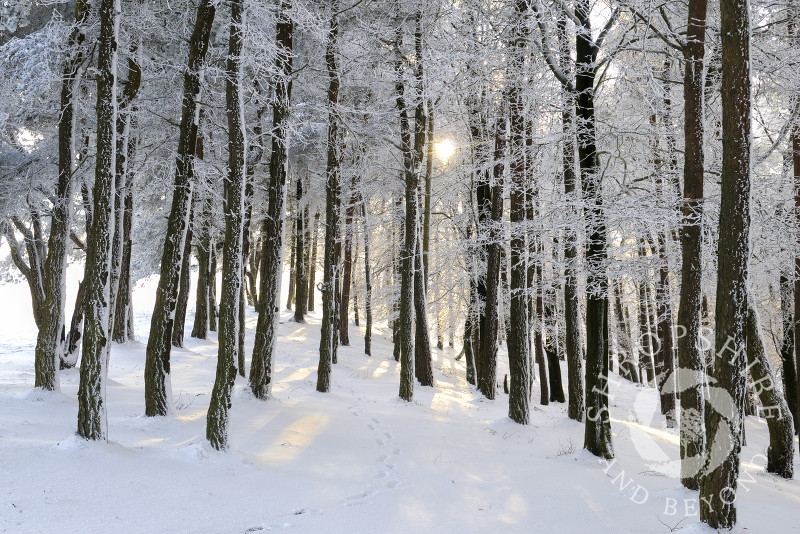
354,460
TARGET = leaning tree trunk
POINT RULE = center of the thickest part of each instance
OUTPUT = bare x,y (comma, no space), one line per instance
272,261
229,324
719,482
157,361
775,409
92,423
49,347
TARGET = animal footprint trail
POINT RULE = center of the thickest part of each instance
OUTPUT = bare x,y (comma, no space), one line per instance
383,478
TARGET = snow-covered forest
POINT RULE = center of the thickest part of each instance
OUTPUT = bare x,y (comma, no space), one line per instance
399,265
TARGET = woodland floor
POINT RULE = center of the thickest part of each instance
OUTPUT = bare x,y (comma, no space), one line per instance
354,460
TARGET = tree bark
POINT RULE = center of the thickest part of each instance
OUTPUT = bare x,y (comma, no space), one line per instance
774,408
718,485
790,383
300,262
92,423
597,438
519,358
123,314
691,361
368,283
49,347
157,362
347,268
203,250
572,319
272,261
312,264
229,323
327,343
487,379
423,367
184,286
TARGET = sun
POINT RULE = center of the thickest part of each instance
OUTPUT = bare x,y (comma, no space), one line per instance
444,149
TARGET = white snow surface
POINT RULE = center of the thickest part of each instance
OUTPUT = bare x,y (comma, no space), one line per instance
357,459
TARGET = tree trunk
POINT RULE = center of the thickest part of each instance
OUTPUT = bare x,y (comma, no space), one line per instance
691,361
519,358
423,367
412,159
49,348
347,268
397,250
327,342
664,357
544,398
183,287
229,324
292,270
75,330
203,250
123,314
426,213
157,362
627,361
312,264
645,335
300,262
790,384
572,319
597,438
92,422
488,341
272,261
368,283
775,409
718,485
212,289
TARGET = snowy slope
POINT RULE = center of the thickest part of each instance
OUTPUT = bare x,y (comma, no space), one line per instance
355,460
